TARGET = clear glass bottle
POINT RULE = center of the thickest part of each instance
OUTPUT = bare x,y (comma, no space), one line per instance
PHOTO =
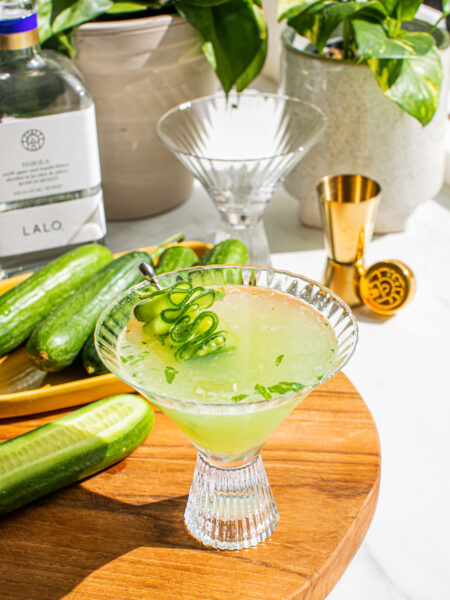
50,184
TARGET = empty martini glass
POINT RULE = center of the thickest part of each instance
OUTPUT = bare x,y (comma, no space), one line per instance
230,504
240,148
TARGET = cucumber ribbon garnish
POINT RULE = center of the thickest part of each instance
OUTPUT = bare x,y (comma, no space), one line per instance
179,315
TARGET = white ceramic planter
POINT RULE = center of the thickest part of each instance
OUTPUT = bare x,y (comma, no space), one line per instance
367,134
136,70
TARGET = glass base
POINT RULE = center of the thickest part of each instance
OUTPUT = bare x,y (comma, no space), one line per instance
230,509
253,236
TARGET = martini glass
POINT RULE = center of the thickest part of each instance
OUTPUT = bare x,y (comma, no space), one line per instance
240,148
230,504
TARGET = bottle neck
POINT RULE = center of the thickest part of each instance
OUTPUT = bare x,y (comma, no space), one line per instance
19,38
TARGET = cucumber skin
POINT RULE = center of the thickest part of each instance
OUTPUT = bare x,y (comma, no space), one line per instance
98,454
23,307
228,252
176,257
90,358
56,342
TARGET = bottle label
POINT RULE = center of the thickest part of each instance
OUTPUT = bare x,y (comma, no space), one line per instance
48,156
52,225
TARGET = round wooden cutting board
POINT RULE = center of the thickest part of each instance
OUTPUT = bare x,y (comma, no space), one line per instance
121,535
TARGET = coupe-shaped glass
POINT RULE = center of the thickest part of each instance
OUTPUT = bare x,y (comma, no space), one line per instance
230,504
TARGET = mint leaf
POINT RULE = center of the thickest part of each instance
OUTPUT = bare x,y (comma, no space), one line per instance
283,387
278,360
239,397
170,374
262,391
126,359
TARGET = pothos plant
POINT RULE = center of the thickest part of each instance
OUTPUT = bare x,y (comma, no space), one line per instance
405,63
382,35
233,32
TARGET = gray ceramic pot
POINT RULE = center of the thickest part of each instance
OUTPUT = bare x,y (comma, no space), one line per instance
136,70
367,133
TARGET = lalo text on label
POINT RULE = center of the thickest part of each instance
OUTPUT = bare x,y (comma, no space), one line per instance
43,228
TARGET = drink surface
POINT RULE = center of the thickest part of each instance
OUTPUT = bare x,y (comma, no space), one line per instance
274,342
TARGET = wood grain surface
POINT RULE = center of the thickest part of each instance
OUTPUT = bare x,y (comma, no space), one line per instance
120,535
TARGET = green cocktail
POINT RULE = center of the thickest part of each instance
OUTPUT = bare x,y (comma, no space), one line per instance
275,342
284,335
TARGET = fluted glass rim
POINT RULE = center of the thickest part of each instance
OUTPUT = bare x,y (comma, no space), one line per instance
247,94
237,407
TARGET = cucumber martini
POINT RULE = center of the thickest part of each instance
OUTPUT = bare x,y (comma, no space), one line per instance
226,353
275,344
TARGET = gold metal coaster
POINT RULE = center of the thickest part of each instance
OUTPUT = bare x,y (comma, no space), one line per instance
387,286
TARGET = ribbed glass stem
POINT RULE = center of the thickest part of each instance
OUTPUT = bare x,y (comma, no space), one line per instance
252,234
231,509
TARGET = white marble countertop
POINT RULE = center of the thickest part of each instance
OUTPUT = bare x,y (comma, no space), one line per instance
400,370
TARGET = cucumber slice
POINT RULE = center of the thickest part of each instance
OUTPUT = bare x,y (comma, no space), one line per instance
71,448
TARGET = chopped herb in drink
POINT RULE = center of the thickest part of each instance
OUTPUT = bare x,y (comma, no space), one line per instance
170,374
239,397
262,391
283,387
126,359
278,360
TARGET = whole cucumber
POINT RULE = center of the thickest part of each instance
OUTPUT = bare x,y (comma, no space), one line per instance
90,358
23,307
176,257
71,448
55,343
228,252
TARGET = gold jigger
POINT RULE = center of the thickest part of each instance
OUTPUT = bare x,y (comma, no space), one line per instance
348,205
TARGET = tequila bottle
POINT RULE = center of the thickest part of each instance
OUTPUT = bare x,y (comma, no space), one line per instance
50,184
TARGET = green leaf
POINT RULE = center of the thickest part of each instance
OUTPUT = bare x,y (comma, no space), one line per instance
413,83
319,22
44,11
262,391
69,13
231,36
257,63
291,8
373,42
446,6
405,10
64,43
205,3
390,6
170,373
126,7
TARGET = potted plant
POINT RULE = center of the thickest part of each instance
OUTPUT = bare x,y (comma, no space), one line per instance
381,77
141,58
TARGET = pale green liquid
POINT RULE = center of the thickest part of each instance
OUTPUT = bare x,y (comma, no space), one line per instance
273,337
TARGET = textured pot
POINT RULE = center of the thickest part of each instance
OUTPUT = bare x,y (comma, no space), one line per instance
136,70
367,134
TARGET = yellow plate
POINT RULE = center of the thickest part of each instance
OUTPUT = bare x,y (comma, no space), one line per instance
25,390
